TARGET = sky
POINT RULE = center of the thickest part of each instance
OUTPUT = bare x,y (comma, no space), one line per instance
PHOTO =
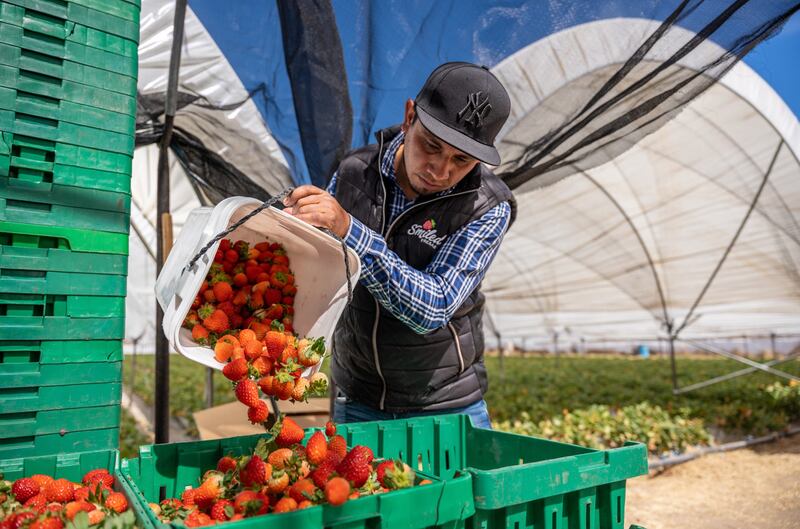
778,62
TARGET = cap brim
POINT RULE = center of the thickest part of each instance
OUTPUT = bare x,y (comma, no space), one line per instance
462,142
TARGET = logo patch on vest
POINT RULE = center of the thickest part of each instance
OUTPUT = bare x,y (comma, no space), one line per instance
426,232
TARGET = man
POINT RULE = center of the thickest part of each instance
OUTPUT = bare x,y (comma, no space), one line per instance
426,218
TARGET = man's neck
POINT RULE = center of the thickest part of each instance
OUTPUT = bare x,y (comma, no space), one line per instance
400,174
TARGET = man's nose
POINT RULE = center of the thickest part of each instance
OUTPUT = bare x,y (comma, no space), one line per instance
440,169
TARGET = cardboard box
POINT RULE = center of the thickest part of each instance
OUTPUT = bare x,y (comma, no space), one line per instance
230,420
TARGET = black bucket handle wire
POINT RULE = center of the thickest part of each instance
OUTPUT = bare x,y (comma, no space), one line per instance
267,203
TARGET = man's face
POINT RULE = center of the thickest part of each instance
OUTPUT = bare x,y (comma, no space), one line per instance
431,165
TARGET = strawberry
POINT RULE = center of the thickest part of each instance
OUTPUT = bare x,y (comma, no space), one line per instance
395,474
231,256
287,321
279,258
117,502
225,245
355,467
247,392
299,393
316,448
280,458
187,497
242,249
283,385
302,489
322,473
253,349
208,297
272,296
222,510
287,300
289,290
252,272
42,480
200,334
37,503
289,352
260,329
263,365
47,523
330,429
228,308
222,291
222,351
72,508
305,504
217,321
337,491
274,312
226,464
229,338
197,518
338,446
258,413
255,472
191,320
276,342
24,489
278,482
236,369
285,504
96,517
289,432
60,490
309,352
250,503
240,279
266,384
241,298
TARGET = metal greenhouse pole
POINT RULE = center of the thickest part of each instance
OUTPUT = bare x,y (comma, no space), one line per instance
164,225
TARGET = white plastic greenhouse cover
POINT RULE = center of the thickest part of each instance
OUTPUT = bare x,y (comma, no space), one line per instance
578,259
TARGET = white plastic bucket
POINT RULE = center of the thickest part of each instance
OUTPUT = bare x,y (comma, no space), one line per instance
315,258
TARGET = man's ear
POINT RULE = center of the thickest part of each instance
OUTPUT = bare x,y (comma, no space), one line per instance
408,116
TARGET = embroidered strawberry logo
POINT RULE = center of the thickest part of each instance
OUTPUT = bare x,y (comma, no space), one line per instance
429,225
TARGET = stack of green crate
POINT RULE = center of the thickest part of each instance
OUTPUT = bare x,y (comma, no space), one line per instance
67,120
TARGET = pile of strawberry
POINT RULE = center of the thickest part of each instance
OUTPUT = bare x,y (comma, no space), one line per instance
245,310
41,502
274,364
282,475
246,288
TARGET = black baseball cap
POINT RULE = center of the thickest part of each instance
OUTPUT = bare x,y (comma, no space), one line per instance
465,106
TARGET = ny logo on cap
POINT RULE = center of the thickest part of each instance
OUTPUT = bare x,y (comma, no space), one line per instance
476,110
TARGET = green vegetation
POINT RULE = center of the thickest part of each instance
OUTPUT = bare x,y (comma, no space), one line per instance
595,401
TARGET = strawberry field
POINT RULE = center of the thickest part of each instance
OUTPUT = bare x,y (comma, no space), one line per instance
594,400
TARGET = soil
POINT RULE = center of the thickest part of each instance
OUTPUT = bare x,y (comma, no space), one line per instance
746,488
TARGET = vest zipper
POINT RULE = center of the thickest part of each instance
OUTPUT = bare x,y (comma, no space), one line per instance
458,348
382,402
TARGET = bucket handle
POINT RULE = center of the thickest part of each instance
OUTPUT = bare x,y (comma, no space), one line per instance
267,203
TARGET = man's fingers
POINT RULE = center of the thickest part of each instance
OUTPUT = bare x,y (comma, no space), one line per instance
302,192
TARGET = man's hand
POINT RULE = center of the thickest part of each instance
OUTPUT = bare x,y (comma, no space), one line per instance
318,208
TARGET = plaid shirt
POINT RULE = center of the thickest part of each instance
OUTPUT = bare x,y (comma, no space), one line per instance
424,300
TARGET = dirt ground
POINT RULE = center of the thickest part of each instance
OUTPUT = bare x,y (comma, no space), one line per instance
750,488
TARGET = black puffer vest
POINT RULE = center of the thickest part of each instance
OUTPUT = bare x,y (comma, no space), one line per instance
378,360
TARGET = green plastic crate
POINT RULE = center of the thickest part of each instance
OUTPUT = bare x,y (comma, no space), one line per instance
69,238
44,214
37,161
114,17
48,422
36,82
22,252
73,76
61,131
50,317
36,363
170,467
22,189
72,465
518,481
61,283
73,43
31,399
63,443
62,110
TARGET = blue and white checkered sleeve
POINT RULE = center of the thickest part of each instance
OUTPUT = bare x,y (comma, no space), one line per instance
426,300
